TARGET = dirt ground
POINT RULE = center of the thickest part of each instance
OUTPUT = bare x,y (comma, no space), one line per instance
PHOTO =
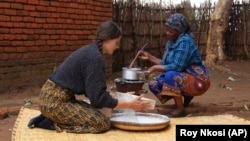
229,93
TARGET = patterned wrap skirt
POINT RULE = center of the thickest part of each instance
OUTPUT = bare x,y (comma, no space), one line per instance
194,81
70,114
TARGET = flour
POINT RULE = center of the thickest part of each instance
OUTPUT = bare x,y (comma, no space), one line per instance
139,119
130,115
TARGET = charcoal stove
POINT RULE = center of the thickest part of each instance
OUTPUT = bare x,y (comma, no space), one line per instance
124,85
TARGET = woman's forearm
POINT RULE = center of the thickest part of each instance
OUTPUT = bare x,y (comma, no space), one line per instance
154,60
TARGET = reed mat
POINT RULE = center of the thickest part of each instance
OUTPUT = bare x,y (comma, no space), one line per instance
22,133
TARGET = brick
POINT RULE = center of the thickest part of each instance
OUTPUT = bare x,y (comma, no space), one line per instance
33,2
22,1
45,14
87,11
20,68
4,5
32,37
4,18
82,6
73,5
4,56
55,15
39,31
22,49
33,25
14,56
33,48
35,14
51,9
51,20
54,37
61,20
40,42
61,10
21,37
17,43
9,12
22,13
18,25
16,18
44,37
28,19
50,31
40,20
4,30
54,3
16,31
44,3
16,6
51,42
28,31
5,43
61,32
79,32
69,21
29,7
9,37
60,42
71,10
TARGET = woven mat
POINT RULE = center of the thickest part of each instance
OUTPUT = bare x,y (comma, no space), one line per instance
22,133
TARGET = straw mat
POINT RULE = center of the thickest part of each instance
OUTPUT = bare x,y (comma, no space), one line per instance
22,133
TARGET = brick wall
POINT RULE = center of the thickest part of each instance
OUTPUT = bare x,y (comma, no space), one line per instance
36,35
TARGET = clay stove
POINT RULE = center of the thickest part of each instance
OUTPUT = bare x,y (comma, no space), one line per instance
123,85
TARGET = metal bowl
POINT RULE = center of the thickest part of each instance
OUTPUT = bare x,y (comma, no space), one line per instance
140,121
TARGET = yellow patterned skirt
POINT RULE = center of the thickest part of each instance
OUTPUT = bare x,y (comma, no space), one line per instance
75,116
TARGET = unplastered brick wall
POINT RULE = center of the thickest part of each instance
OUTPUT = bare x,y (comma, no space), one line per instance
37,35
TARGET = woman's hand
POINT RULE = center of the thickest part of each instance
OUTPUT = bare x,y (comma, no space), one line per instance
135,104
148,57
143,55
155,68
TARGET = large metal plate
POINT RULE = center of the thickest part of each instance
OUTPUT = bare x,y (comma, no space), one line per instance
139,121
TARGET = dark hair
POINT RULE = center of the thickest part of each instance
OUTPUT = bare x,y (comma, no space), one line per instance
107,30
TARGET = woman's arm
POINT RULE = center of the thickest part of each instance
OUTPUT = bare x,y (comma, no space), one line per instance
147,56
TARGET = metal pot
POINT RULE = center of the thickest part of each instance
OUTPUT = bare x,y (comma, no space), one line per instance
131,73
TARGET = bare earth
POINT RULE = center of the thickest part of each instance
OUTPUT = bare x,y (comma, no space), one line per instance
229,93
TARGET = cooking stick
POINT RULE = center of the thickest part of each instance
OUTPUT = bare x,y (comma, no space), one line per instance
131,64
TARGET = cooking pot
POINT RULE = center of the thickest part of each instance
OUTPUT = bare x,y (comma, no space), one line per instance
131,73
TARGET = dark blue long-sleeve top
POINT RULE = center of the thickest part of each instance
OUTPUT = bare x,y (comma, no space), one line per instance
83,72
180,54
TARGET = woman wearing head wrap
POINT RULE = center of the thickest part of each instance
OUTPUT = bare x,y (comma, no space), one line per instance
82,73
182,72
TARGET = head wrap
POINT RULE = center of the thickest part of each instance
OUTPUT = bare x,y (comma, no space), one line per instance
179,22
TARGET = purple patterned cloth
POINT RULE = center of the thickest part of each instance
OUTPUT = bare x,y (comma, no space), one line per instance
193,81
